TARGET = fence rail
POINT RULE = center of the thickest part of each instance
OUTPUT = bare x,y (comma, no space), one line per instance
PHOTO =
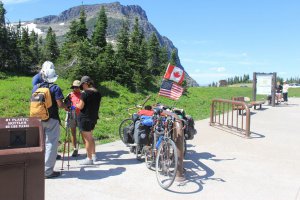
230,114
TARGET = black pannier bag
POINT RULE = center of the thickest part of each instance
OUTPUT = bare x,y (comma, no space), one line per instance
189,130
128,134
142,132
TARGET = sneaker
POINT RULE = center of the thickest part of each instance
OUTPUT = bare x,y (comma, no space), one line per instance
75,153
58,157
180,178
87,161
53,175
94,158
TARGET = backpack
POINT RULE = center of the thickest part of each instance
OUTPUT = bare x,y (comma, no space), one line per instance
40,102
189,130
146,120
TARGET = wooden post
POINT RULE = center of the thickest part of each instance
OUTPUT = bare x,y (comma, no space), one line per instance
254,87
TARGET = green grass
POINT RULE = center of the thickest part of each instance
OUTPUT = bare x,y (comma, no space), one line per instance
16,91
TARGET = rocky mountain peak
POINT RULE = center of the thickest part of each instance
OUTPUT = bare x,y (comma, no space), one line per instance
116,13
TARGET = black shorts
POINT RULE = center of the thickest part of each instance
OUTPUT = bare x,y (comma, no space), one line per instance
87,124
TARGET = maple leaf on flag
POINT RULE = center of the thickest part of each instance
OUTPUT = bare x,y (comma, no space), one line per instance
175,74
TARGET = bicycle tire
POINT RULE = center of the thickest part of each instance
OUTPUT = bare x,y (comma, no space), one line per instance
166,163
123,124
148,155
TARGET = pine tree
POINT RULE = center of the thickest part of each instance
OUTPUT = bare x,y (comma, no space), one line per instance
154,63
26,55
51,50
134,56
123,71
164,59
82,29
3,37
13,59
85,64
34,47
77,30
99,34
106,65
174,57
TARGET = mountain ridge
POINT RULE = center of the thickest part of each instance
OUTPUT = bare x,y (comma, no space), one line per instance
116,13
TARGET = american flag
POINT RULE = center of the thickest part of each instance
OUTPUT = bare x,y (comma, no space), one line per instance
170,90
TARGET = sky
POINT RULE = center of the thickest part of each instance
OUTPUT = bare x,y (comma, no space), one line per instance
216,39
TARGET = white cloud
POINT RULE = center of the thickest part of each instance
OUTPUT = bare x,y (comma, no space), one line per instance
14,1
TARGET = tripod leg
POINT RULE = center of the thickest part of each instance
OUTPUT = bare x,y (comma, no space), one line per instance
63,157
68,152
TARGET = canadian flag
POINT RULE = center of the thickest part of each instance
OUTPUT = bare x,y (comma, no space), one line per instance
175,74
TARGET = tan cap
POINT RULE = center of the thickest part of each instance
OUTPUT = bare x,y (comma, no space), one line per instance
76,83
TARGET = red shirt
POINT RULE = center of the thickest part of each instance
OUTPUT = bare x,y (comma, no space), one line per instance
146,112
75,98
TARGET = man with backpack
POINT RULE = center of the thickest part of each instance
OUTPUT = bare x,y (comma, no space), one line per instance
50,117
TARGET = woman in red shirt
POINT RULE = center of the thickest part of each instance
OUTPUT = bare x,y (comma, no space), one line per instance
74,98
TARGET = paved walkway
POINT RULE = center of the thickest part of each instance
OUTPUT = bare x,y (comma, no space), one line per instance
219,165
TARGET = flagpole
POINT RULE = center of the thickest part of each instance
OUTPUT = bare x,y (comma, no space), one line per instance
160,85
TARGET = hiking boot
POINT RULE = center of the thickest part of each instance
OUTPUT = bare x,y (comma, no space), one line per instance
87,161
53,175
75,153
58,157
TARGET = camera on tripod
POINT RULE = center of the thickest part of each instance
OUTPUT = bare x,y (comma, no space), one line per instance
67,101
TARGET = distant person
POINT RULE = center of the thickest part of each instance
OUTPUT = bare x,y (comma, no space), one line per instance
279,92
52,125
89,114
73,115
285,89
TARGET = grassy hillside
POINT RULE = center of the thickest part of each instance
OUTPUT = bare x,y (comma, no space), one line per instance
16,91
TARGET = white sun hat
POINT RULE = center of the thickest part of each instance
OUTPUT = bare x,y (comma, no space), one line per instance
49,75
47,65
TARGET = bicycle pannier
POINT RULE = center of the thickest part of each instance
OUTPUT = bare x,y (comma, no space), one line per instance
128,134
189,130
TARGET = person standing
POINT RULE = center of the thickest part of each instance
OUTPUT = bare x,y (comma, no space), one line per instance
51,126
285,89
38,79
73,114
89,114
279,92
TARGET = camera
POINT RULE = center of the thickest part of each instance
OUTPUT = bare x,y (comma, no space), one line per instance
67,101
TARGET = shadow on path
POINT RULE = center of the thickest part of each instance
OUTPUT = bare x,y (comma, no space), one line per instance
198,173
93,174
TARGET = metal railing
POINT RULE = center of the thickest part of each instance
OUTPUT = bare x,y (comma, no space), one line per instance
230,114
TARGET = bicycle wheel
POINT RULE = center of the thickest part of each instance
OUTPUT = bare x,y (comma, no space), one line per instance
123,124
149,160
166,163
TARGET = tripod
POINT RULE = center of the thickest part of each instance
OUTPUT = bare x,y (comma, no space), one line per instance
69,117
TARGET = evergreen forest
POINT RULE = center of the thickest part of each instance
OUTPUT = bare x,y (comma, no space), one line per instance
132,61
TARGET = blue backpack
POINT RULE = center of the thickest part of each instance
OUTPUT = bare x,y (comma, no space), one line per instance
147,120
